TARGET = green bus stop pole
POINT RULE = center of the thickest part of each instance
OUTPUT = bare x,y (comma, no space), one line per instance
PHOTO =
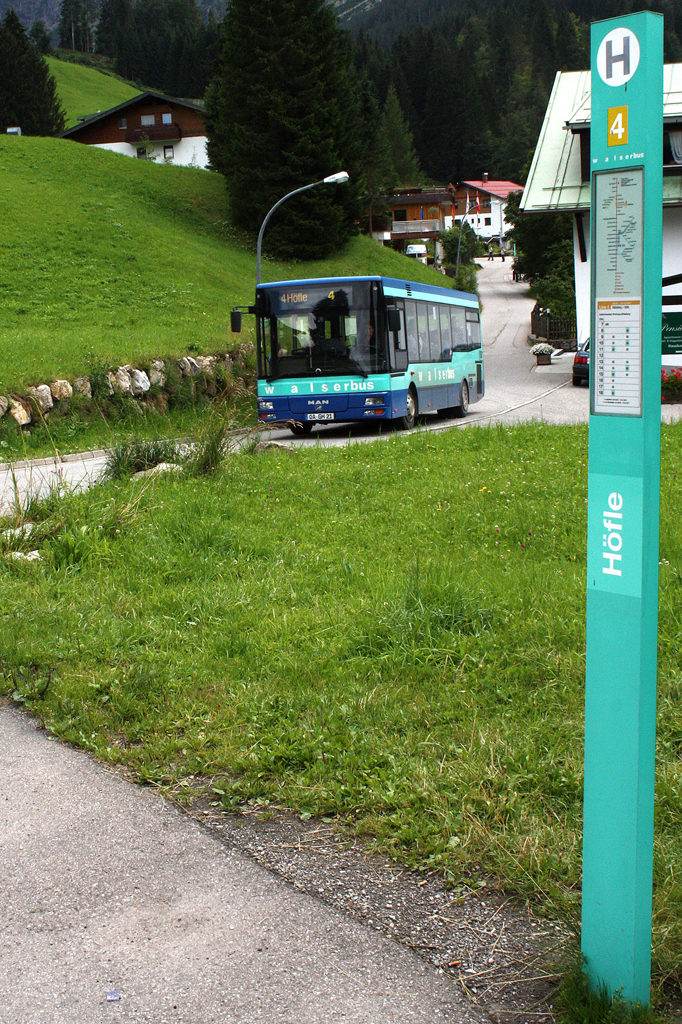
623,501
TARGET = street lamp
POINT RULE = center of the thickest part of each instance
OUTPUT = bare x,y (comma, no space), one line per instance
459,238
333,179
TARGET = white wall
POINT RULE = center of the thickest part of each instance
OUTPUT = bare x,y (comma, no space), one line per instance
188,152
497,226
672,264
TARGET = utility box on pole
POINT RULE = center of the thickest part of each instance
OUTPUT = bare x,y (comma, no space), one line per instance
623,501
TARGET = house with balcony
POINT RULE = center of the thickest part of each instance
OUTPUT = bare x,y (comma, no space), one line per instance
422,213
559,182
150,126
416,214
483,203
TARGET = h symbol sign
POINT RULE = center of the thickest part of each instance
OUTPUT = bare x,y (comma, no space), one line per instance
621,58
617,68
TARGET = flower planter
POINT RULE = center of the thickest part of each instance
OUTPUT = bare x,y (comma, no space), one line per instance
671,397
543,360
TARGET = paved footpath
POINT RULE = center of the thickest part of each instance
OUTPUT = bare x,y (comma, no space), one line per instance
106,887
39,477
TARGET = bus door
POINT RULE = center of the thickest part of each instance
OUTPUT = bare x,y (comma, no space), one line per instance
474,346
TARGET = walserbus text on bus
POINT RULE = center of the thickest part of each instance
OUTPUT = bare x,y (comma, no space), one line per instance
360,348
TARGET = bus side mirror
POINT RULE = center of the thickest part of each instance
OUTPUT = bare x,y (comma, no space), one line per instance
235,321
393,320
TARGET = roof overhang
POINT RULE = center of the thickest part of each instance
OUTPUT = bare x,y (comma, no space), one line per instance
144,97
555,178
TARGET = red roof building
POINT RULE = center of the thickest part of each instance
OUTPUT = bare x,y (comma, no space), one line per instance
422,213
483,204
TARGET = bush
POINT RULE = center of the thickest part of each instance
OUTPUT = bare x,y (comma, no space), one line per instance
467,279
450,240
555,290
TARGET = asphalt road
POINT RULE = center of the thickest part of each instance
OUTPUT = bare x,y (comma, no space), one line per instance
108,889
516,390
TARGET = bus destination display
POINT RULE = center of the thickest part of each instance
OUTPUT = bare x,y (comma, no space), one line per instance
617,387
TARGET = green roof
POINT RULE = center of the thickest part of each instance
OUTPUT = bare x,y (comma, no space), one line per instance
554,181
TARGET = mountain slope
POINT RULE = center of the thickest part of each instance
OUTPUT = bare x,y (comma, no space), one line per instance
85,91
108,259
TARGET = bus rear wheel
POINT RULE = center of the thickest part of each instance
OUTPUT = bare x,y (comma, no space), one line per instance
463,408
406,422
300,429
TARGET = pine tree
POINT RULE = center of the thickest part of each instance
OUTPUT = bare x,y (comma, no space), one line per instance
280,115
70,24
28,95
40,37
403,158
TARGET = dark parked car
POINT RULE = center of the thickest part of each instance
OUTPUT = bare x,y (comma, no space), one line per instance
581,364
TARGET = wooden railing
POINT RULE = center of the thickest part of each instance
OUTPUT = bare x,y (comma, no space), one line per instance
154,133
561,330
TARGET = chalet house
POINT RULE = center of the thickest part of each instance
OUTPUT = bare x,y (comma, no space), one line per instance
559,181
423,213
416,213
485,202
150,126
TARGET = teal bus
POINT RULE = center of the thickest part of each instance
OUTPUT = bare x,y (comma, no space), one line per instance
365,348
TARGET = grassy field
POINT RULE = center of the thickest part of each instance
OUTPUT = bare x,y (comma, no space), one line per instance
120,260
84,91
390,633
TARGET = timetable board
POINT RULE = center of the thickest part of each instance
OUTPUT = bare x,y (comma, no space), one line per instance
617,349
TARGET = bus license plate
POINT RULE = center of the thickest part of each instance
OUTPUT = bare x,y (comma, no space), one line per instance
320,416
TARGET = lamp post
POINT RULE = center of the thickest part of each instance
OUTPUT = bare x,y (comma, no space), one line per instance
333,179
470,206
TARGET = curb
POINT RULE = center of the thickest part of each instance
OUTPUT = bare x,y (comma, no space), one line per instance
56,460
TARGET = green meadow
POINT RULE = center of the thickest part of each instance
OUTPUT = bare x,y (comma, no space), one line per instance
84,91
121,260
391,634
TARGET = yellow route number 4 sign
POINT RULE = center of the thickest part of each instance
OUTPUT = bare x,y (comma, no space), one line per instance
618,126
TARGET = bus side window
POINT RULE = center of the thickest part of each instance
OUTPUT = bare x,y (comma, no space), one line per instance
473,329
397,343
423,333
411,329
434,332
459,335
445,334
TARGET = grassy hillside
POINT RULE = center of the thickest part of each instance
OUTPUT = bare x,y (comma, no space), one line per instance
127,259
84,91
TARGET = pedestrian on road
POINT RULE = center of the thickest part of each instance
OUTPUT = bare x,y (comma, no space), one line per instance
490,250
502,253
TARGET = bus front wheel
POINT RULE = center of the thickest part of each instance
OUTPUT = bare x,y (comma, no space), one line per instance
300,429
463,408
406,422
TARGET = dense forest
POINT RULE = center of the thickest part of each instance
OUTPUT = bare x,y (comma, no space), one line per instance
474,78
169,45
470,77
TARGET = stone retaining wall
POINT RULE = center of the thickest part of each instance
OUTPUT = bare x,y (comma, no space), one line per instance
134,382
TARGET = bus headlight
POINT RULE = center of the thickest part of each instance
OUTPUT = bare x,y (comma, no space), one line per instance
262,404
374,400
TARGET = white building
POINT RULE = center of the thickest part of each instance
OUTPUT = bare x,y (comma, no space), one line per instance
483,203
559,182
150,126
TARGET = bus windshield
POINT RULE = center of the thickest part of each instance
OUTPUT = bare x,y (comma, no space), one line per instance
320,329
